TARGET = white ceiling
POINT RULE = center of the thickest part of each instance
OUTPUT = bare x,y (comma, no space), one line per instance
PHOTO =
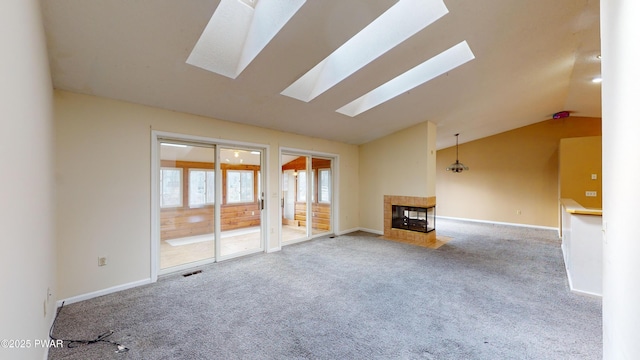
532,59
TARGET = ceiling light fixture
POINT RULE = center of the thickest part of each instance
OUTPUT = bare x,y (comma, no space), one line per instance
432,68
457,166
237,33
394,26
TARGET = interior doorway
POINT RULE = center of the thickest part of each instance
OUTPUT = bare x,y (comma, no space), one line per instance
209,203
307,196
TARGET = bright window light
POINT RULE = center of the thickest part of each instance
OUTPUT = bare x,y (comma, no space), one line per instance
397,24
173,145
434,67
237,32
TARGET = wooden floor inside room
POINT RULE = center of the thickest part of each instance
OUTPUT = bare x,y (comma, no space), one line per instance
293,232
186,250
180,251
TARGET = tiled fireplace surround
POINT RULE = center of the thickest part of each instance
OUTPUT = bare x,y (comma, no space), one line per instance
407,236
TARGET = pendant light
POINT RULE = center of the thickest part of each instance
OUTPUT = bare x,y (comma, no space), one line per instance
457,166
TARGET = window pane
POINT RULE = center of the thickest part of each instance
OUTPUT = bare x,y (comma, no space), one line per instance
201,187
211,188
239,186
233,186
247,186
324,193
170,187
313,186
302,186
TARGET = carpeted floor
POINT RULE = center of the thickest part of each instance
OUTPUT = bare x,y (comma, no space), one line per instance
492,292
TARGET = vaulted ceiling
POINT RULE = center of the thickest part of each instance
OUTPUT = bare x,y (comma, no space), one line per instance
532,58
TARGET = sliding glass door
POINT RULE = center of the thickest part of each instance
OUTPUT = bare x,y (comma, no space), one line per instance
187,201
307,196
242,201
210,203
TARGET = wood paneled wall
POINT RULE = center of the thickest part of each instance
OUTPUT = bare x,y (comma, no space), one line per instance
321,212
186,221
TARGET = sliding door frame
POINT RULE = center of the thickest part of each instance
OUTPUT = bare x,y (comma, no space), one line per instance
335,191
156,137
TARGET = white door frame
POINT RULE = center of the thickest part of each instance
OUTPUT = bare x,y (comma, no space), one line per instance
156,137
335,191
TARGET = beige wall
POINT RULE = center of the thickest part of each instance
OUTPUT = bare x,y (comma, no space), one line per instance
579,159
401,164
103,183
511,171
27,259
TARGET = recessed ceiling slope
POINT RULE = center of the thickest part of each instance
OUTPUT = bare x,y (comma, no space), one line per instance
434,67
237,32
394,26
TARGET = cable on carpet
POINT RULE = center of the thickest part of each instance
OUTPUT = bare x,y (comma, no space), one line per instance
72,343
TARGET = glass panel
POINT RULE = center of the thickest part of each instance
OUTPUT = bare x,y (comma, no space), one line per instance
201,187
170,187
324,185
294,197
322,195
241,207
187,194
302,186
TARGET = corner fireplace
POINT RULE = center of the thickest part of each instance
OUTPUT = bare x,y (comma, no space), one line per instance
413,218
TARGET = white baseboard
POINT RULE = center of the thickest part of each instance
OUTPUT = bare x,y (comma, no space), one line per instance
497,223
343,232
377,232
91,295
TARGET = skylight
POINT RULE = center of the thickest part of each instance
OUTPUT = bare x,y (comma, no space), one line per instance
434,67
394,26
238,31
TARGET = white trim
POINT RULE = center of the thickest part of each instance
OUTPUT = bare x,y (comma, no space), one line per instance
378,232
264,190
111,290
335,194
581,292
155,206
343,232
156,136
187,266
497,223
269,251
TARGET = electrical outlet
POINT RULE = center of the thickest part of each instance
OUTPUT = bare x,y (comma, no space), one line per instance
518,212
594,176
591,193
102,261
